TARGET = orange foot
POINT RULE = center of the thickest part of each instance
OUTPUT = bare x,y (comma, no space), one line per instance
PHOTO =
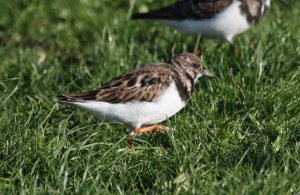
135,131
234,50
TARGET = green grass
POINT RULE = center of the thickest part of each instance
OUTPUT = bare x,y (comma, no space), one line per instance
240,133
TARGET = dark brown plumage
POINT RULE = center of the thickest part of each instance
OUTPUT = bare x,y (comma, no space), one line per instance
210,18
205,9
252,9
147,83
187,9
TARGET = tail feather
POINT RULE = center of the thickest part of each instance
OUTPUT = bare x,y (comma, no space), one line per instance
142,16
164,13
63,98
154,15
77,97
67,99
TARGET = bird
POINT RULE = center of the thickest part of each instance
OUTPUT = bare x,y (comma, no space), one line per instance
144,97
223,19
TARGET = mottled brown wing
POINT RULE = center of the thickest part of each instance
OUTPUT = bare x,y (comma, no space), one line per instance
144,84
187,9
205,9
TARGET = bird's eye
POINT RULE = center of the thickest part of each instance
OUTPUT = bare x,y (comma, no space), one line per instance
195,65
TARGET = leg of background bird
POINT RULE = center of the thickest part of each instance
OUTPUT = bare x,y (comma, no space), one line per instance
234,49
196,47
197,52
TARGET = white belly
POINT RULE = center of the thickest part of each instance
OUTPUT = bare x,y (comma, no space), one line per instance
137,113
225,25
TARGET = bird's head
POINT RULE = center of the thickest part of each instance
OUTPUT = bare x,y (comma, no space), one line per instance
191,66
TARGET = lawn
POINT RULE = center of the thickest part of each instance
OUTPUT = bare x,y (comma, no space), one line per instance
240,133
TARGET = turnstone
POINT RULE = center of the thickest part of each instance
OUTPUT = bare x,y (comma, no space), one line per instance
145,96
210,18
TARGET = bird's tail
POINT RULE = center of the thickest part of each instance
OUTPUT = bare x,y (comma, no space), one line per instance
64,99
77,97
142,16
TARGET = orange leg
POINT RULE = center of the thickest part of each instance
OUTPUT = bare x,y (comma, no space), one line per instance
197,51
234,49
150,128
135,131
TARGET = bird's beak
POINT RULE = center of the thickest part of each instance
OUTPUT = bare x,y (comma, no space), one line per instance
208,74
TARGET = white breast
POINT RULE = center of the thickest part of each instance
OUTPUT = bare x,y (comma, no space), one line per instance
137,113
224,25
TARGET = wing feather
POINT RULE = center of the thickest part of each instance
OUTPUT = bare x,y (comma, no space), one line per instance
187,9
144,84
